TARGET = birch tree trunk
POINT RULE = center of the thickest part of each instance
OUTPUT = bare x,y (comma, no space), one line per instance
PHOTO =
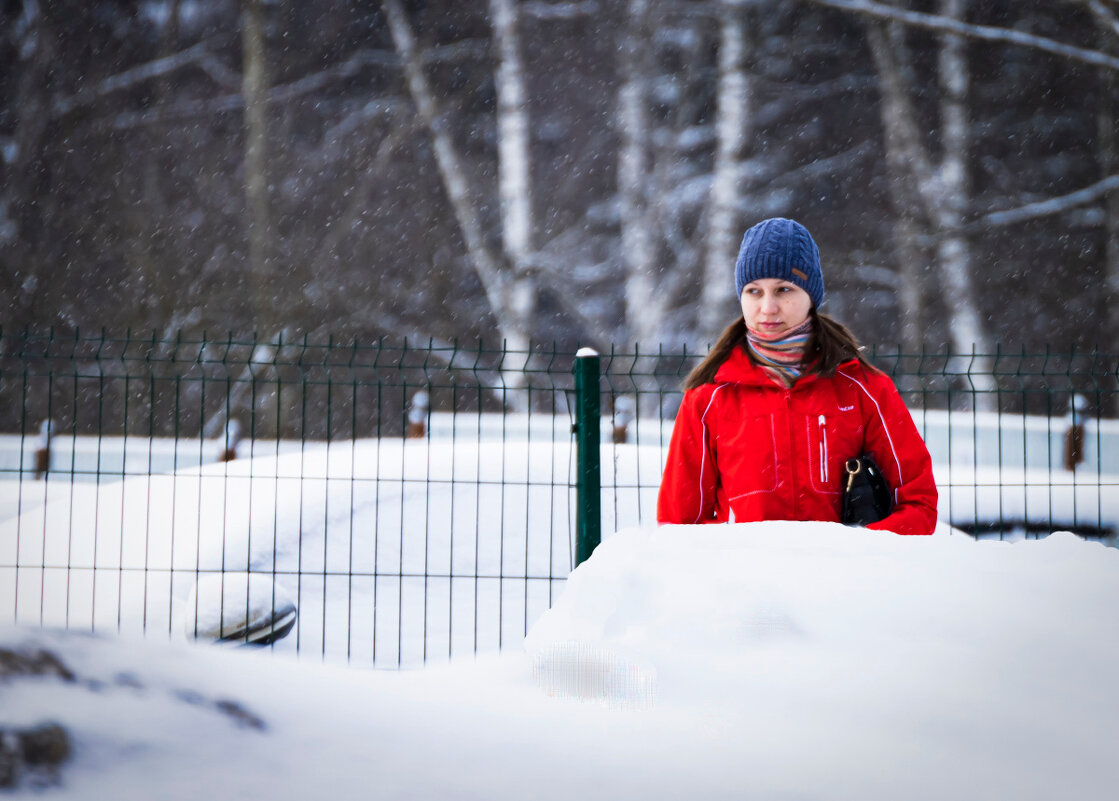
732,131
511,301
644,304
514,173
254,88
943,191
967,329
1108,150
908,165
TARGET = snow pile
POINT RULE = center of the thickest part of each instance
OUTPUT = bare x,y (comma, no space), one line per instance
769,660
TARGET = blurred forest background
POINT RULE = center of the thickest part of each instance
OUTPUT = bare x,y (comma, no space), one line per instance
547,171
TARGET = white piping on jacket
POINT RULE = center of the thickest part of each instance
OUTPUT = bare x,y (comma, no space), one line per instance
703,461
886,428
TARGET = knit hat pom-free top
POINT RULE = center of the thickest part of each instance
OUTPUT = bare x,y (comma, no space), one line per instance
780,248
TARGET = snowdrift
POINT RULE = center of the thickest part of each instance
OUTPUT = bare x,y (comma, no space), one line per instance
768,660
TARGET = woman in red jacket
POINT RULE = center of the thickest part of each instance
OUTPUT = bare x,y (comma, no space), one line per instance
782,401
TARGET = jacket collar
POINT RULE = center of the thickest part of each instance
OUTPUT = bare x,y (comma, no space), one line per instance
739,369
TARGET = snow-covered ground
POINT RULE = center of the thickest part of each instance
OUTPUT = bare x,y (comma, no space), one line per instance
399,552
767,660
393,550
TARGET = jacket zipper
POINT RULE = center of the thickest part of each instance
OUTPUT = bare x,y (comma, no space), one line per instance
823,450
790,433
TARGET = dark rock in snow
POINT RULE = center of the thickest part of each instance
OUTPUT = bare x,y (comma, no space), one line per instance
32,663
32,756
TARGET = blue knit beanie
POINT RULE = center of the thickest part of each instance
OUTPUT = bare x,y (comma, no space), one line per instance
780,248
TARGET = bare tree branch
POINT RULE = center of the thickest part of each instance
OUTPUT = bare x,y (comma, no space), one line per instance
129,78
194,109
592,328
441,350
334,141
176,112
342,225
548,11
1045,208
934,22
222,75
547,266
844,161
1104,15
468,50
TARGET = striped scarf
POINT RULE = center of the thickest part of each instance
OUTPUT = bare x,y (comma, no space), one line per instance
782,358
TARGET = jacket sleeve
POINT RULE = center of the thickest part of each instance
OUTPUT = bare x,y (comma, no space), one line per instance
687,493
892,439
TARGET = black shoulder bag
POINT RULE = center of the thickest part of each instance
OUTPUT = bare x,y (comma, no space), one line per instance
866,496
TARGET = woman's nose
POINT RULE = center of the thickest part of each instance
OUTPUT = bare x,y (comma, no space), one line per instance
769,304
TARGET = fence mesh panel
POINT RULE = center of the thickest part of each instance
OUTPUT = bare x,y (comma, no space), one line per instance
389,503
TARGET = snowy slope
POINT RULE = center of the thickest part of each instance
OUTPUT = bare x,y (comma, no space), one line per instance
769,660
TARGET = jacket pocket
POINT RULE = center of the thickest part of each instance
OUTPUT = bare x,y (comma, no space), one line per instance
748,457
832,439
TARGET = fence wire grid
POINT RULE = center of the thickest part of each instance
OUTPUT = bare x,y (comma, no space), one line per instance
387,503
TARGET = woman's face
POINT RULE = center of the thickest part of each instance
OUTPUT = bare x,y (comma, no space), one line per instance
772,307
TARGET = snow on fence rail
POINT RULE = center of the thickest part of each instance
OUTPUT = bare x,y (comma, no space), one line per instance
389,494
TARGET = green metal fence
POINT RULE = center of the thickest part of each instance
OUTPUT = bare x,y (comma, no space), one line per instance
421,501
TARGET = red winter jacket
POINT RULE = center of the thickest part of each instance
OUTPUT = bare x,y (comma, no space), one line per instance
747,446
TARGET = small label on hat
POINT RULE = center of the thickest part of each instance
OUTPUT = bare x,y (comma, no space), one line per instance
799,274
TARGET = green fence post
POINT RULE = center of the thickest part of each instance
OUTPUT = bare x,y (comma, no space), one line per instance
588,476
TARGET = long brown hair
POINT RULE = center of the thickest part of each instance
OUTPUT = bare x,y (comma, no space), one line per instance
832,343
